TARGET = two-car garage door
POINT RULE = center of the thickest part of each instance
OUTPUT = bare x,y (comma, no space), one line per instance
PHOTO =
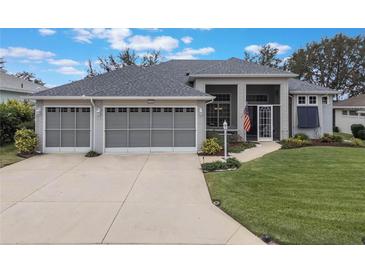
150,129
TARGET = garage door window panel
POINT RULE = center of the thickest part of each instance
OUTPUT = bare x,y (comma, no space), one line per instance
116,138
162,138
67,138
53,138
184,138
139,138
139,118
184,119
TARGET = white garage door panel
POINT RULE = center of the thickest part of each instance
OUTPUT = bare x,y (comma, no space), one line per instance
67,129
144,129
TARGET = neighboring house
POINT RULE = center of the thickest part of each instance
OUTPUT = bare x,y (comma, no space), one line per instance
348,112
172,106
12,87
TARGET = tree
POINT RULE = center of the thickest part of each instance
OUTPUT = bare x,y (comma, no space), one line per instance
127,57
108,64
337,63
151,58
266,56
2,63
29,77
91,72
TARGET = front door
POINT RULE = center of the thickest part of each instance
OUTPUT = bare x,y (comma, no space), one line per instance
265,123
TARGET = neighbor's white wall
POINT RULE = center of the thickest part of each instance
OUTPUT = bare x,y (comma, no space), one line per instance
344,122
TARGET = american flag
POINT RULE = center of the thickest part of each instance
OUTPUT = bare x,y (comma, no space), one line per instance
246,120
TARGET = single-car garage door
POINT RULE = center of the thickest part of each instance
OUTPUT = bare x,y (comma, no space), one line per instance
67,129
150,129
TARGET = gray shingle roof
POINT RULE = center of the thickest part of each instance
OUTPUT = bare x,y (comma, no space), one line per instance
297,86
168,79
356,101
127,81
12,83
240,67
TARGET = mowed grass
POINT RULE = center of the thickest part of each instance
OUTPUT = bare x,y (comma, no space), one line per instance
313,195
8,155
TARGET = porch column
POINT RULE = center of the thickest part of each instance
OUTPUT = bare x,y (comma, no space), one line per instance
284,110
241,104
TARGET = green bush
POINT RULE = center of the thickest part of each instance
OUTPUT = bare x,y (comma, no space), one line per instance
14,115
294,143
231,163
355,128
357,142
301,136
25,141
211,146
336,129
327,138
361,134
92,154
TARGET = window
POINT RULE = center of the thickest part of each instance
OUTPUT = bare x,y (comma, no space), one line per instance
133,110
219,111
122,110
302,100
179,110
145,110
156,110
51,109
344,112
110,110
257,98
190,110
362,113
312,100
353,112
325,100
167,110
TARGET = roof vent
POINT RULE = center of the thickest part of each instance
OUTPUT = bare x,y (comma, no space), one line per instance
187,74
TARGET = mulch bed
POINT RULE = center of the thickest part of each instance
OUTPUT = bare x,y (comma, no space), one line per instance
28,155
316,142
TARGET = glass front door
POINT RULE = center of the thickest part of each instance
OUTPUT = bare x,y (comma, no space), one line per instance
265,123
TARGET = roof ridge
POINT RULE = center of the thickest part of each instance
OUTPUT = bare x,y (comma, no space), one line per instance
212,66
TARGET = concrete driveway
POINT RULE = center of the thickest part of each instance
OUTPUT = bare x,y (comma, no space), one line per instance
151,199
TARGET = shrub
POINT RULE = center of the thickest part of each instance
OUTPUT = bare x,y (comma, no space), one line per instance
361,134
211,146
355,128
327,138
301,136
92,154
357,142
294,143
231,163
13,115
336,129
25,141
239,146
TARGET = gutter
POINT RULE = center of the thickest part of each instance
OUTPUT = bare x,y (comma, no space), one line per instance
127,98
193,76
94,111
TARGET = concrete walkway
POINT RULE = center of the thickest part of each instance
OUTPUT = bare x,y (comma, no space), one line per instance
247,155
113,199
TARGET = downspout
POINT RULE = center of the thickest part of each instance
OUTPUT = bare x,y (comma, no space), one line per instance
292,113
93,107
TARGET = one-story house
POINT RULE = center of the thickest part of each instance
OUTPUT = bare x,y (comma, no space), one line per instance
348,112
12,87
172,106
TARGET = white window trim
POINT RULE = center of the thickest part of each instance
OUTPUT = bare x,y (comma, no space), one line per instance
305,98
307,103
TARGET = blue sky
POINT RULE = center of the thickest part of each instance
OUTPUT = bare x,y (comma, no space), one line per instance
58,56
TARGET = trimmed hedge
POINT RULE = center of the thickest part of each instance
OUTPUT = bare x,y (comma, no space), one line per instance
231,163
361,134
25,141
355,128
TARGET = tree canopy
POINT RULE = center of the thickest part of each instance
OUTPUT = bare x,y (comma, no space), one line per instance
337,63
29,76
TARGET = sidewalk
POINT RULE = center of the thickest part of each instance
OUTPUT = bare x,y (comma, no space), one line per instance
247,155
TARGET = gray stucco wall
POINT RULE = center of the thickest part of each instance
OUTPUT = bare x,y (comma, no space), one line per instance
6,95
325,118
97,140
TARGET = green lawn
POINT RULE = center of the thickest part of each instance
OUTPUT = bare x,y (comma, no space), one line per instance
312,195
8,155
345,136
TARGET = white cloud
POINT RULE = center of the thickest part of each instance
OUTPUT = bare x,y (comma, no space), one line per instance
189,53
115,37
122,38
256,48
19,52
141,42
63,62
68,70
46,32
187,39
